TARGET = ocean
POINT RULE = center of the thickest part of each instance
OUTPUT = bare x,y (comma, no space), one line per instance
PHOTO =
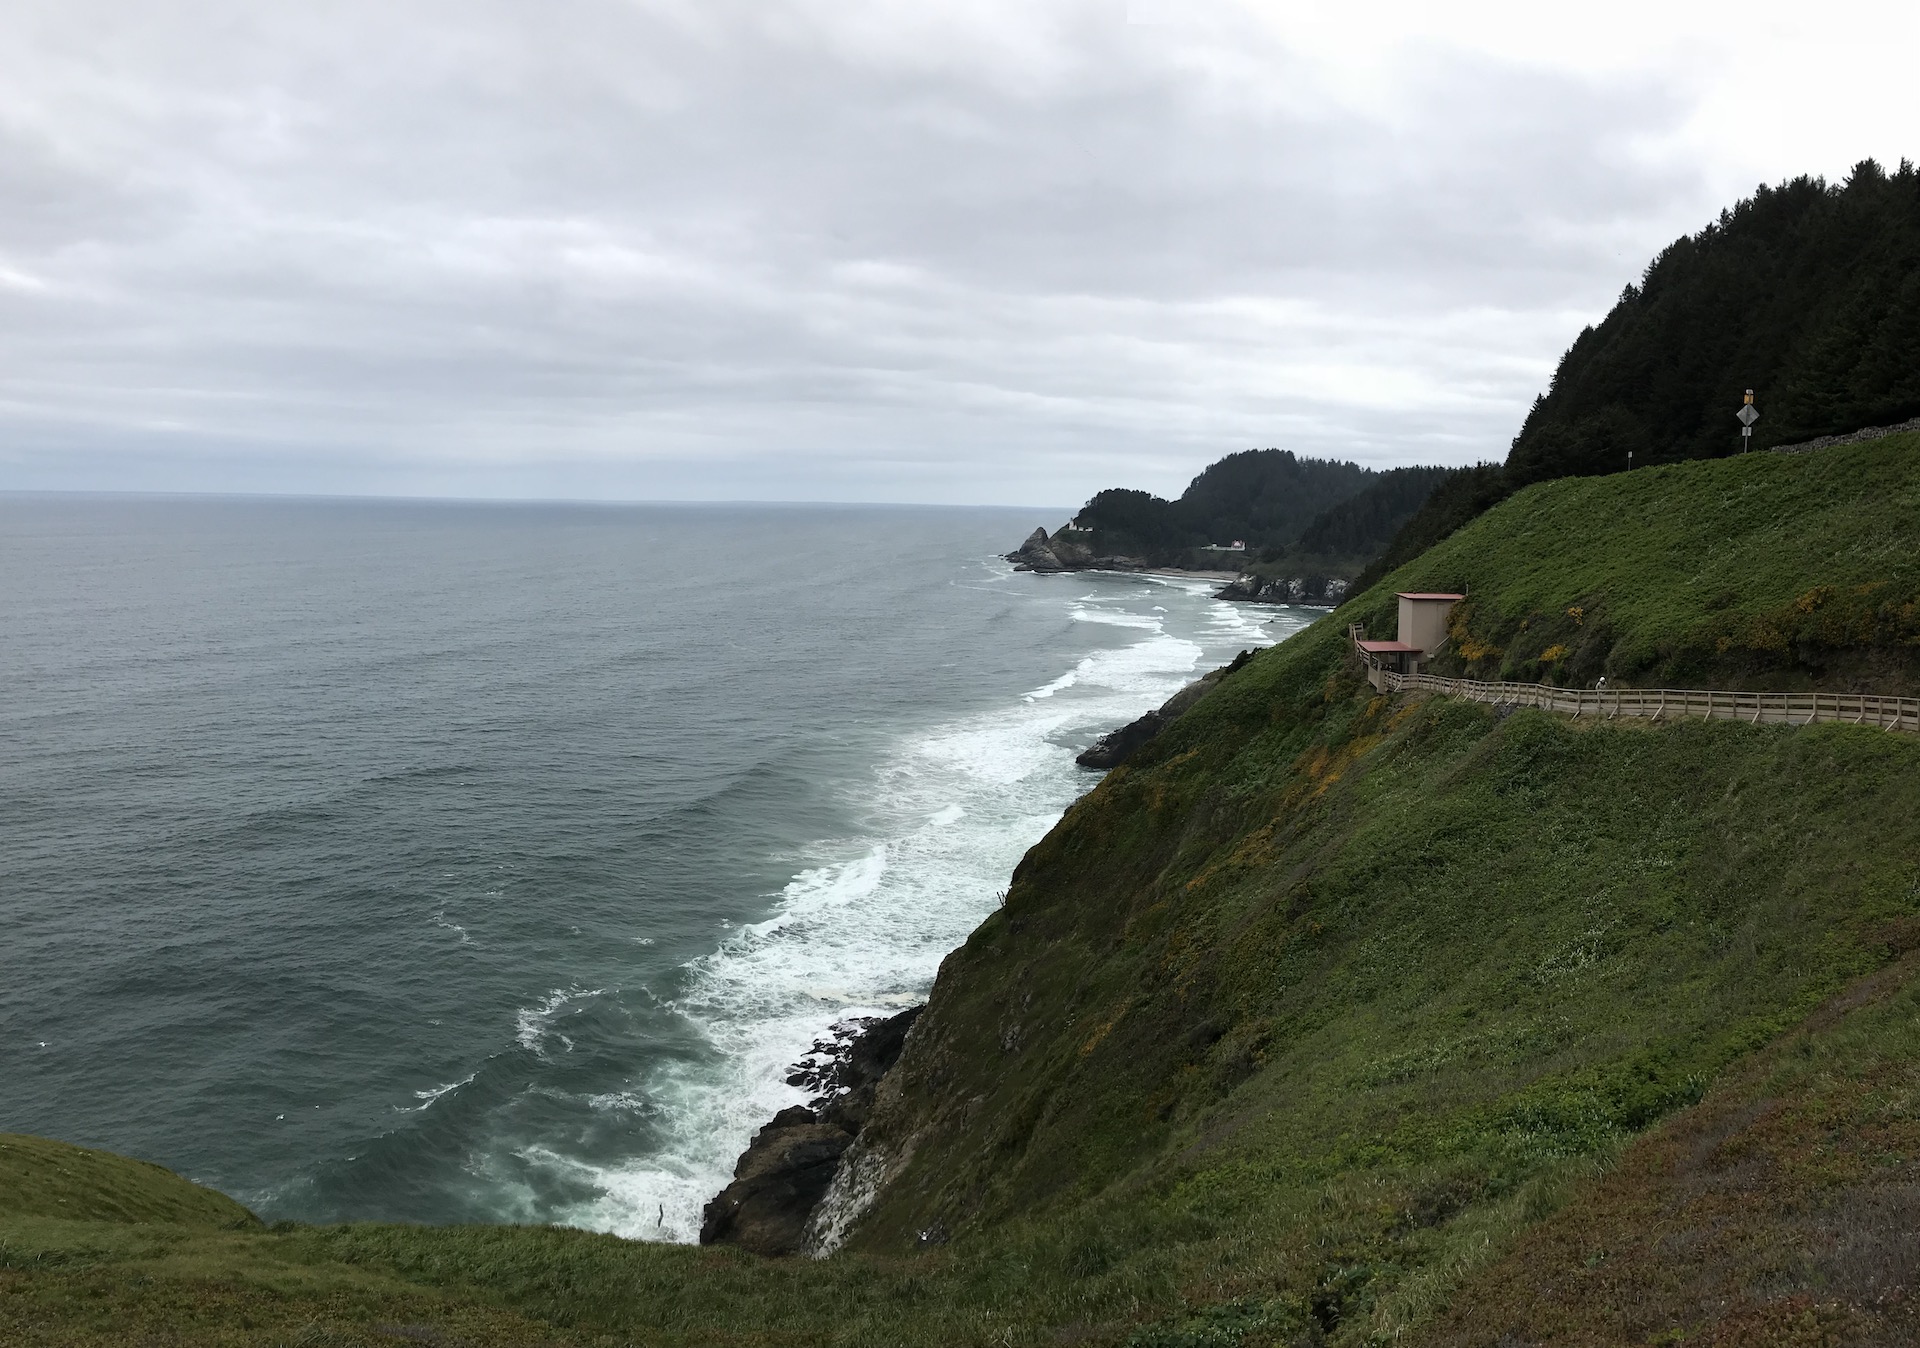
453,862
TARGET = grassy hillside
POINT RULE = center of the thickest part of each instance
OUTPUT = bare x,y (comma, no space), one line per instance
1329,1018
1763,571
47,1179
1313,939
1807,293
1781,1211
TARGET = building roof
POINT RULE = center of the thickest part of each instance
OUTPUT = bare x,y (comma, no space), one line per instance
1387,647
1430,596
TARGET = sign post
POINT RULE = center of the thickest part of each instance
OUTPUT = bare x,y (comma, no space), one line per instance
1748,414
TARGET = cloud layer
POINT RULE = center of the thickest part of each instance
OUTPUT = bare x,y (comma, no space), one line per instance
801,250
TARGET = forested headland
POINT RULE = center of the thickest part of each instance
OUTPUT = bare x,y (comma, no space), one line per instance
1287,513
1807,293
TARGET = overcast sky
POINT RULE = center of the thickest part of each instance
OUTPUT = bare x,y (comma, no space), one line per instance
964,251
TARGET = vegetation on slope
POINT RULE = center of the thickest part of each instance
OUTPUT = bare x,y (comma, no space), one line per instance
1807,293
43,1178
1459,497
1304,1026
1763,571
1345,539
1308,938
1296,512
1359,525
1781,1211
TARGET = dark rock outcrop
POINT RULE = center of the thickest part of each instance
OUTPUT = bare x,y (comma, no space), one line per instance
1312,591
1116,747
857,1074
1850,438
1035,555
779,1180
1066,550
790,1164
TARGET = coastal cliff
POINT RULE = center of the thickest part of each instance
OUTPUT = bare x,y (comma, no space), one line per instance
781,1181
1291,523
791,1163
1360,982
1331,1018
1117,746
1325,1017
1069,549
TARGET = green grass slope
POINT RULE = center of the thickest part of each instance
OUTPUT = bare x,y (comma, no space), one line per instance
1781,1211
1763,571
1807,293
1422,952
42,1178
1330,1018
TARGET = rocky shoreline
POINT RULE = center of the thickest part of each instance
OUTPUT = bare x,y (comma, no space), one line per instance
1306,591
790,1166
785,1172
1067,550
1060,552
1117,746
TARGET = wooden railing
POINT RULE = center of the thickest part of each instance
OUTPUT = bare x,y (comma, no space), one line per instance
1865,709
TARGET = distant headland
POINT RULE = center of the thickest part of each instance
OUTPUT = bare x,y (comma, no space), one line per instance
1277,527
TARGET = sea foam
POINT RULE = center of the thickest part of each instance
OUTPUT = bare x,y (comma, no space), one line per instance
956,806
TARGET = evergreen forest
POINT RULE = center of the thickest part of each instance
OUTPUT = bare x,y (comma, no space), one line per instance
1808,293
1286,508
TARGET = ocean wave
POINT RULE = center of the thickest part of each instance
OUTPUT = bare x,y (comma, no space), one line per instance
954,808
433,1093
1082,613
534,1026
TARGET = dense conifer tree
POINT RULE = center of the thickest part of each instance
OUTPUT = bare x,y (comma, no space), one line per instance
1262,497
1807,293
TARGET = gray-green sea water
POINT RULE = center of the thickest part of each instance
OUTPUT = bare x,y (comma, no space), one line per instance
460,862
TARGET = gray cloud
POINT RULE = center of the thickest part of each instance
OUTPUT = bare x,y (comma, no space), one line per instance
724,250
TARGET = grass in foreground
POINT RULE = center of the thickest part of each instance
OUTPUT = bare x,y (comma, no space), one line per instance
1782,1210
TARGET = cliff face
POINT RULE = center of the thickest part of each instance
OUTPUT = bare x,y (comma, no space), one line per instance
1325,1019
1313,590
784,1174
1117,746
1067,550
1335,982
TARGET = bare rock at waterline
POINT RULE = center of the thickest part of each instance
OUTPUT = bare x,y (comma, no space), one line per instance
856,1076
790,1164
778,1182
1035,554
1117,746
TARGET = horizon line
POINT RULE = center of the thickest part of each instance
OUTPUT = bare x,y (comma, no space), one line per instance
423,499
